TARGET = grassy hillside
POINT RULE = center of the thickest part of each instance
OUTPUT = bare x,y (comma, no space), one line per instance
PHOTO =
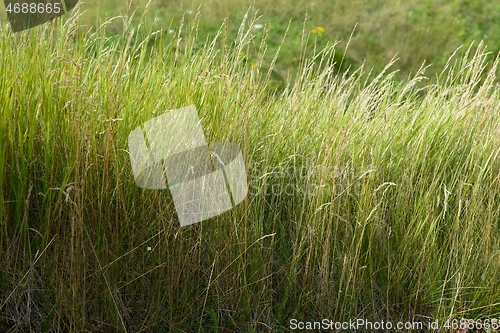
366,199
413,31
374,31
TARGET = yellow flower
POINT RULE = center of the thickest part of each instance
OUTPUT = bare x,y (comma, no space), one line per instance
318,30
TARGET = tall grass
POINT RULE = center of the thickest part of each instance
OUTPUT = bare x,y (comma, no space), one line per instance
366,200
377,31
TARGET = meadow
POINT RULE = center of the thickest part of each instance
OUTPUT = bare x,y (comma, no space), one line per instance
373,190
374,32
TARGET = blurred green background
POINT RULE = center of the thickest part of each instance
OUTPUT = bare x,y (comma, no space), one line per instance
413,31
